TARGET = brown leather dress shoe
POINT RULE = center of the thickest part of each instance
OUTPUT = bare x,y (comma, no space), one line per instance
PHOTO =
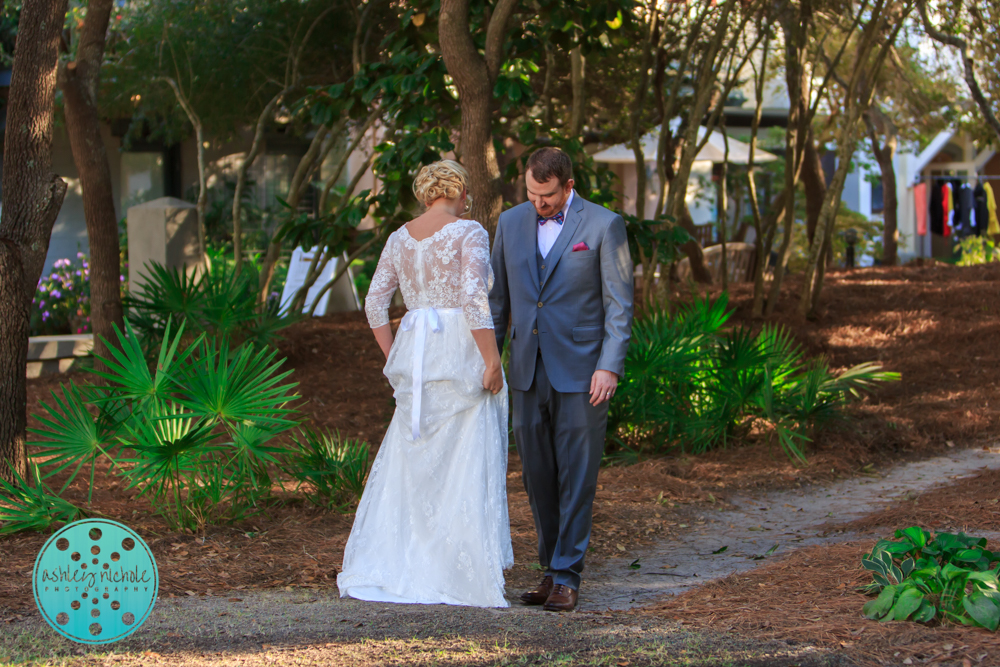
563,598
539,594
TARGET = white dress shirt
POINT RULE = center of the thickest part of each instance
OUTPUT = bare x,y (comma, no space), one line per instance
549,232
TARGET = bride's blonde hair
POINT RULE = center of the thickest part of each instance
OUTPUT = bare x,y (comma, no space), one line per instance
444,178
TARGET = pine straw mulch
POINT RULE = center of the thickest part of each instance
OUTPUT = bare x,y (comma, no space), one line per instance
810,597
936,325
970,505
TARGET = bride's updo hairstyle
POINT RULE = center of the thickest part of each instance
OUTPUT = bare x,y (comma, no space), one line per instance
444,178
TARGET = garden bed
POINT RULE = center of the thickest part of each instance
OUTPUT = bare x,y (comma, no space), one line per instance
935,325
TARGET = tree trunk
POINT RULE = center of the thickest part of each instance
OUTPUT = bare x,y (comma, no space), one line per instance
795,29
474,76
199,138
578,76
79,82
814,183
884,154
32,197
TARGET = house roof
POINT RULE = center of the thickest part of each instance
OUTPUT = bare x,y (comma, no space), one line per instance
714,150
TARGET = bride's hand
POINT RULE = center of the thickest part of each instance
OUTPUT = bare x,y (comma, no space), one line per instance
493,378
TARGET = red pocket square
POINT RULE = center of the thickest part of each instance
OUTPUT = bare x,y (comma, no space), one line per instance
580,246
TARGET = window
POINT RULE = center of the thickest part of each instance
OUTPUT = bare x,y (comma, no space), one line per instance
878,197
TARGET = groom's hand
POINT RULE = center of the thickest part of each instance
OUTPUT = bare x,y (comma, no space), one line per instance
602,387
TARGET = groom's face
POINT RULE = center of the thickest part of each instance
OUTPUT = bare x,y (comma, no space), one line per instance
549,197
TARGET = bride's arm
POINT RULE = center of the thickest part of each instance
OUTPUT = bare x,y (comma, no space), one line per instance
487,344
383,286
383,336
477,279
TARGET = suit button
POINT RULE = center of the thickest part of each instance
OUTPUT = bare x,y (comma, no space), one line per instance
539,304
534,331
543,267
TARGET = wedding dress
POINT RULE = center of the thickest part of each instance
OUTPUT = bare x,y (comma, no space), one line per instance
432,525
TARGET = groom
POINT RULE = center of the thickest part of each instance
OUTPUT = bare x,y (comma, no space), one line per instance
564,284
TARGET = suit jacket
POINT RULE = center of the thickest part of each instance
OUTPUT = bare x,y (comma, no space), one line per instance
579,312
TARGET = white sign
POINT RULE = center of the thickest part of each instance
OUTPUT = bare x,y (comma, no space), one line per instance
342,297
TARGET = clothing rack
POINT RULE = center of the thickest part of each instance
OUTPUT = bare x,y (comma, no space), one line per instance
954,177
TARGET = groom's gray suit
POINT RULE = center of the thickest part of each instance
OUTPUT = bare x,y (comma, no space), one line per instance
570,314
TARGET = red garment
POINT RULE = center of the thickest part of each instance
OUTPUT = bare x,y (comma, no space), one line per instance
946,205
920,201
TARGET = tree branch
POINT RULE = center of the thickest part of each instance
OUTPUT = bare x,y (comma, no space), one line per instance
496,33
970,72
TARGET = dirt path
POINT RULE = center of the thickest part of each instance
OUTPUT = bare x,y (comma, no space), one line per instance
301,628
753,526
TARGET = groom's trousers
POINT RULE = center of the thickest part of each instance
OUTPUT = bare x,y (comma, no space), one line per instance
560,439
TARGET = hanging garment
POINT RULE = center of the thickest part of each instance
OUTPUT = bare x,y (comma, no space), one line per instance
920,203
964,211
991,205
982,211
937,213
949,209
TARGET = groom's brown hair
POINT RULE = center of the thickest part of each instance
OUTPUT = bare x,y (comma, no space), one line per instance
548,162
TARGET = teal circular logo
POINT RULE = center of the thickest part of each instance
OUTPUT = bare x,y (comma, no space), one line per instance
95,581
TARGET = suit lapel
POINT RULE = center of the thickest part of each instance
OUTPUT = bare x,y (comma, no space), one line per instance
570,226
530,231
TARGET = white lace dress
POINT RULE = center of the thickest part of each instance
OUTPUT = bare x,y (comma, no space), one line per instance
432,525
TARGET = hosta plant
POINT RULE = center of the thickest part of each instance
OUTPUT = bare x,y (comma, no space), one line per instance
947,578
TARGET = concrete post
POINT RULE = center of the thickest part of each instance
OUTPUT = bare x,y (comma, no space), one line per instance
165,231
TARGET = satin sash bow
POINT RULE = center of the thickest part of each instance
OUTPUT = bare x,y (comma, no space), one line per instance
420,320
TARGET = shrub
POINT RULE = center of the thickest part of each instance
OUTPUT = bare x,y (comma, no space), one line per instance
334,469
948,578
195,432
32,507
974,250
62,299
691,384
220,304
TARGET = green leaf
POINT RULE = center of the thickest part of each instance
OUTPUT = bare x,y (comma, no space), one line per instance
243,389
31,506
880,606
982,609
909,601
916,535
73,435
926,612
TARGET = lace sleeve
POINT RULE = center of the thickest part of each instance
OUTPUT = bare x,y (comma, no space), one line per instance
383,286
477,278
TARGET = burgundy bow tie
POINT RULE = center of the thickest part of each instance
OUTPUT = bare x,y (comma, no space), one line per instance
557,218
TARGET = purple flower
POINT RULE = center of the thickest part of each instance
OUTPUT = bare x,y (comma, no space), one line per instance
79,273
56,294
45,315
80,255
41,304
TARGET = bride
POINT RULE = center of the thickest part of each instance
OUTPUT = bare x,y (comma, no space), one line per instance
432,525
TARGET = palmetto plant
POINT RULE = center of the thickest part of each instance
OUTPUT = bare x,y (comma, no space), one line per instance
219,303
32,506
332,468
693,385
194,430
